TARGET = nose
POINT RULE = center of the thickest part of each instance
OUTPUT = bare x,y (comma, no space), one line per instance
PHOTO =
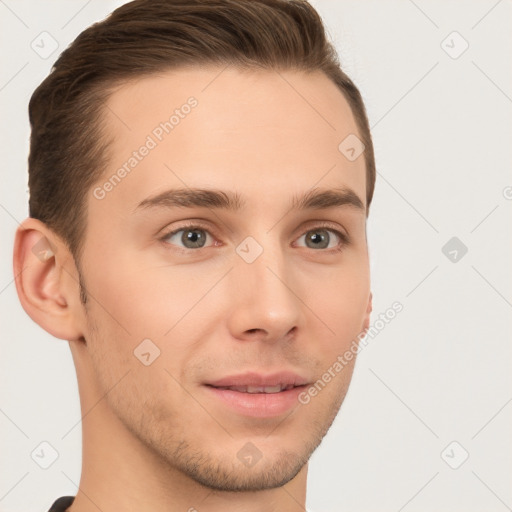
266,303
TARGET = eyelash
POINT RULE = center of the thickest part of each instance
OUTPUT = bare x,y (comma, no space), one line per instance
344,239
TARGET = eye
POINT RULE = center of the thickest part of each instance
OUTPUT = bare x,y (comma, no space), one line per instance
321,238
192,237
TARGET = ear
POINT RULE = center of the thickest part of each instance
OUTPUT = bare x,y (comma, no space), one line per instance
47,280
369,308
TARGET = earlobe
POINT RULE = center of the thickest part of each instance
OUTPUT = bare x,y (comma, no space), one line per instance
42,283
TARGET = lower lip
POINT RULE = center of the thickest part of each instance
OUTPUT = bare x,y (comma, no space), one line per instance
259,405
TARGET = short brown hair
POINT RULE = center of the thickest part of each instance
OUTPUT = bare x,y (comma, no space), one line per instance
68,146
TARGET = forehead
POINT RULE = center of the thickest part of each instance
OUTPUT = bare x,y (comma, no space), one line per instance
251,131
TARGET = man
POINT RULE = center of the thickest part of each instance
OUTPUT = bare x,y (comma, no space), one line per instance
200,176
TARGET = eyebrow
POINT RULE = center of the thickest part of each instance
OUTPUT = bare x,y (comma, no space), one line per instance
315,199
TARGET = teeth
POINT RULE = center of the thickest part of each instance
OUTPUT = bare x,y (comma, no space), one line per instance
263,389
259,389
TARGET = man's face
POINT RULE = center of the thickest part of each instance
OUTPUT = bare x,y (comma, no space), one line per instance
267,288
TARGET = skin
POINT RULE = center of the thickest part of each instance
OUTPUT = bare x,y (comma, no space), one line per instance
153,437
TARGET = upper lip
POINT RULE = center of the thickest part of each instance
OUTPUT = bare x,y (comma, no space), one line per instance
284,378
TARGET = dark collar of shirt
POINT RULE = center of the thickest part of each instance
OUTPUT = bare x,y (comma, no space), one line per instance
61,504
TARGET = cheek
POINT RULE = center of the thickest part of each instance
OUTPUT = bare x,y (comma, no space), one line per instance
138,302
141,310
339,301
138,370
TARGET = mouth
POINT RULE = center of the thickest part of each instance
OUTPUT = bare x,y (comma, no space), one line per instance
257,395
258,389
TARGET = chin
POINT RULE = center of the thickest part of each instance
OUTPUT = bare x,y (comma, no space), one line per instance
264,475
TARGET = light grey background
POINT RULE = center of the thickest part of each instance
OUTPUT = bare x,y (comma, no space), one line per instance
440,371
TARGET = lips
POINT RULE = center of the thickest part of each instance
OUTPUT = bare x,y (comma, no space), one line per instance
252,382
257,395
